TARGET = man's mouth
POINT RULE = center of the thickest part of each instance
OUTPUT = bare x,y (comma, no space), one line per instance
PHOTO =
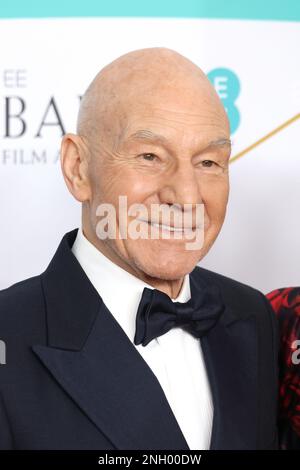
169,228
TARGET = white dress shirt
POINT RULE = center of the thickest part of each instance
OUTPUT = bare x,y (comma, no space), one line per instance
175,358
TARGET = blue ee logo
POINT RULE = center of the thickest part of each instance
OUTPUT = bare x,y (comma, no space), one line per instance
227,85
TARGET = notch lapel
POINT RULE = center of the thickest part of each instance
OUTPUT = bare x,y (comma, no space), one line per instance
230,351
92,358
232,371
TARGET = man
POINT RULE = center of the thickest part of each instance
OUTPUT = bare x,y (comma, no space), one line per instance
123,342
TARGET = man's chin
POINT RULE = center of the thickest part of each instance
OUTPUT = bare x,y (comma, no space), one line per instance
167,269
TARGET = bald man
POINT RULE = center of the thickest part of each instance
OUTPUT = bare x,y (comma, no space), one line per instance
124,342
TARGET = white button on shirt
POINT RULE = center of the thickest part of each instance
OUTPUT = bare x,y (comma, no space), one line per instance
175,358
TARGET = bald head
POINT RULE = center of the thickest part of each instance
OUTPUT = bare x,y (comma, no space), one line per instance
138,78
152,129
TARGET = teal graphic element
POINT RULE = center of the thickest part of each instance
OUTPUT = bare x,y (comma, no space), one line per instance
227,85
278,10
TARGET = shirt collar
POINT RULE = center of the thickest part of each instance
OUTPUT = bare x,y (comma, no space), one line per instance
121,291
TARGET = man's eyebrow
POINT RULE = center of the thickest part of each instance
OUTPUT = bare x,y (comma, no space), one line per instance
146,134
221,141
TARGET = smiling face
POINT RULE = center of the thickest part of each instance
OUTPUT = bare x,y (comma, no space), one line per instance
165,143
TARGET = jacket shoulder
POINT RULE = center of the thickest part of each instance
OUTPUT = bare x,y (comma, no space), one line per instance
19,303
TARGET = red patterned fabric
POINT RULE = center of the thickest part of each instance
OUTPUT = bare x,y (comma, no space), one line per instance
286,304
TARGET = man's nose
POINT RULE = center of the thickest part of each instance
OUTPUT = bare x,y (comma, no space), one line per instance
181,187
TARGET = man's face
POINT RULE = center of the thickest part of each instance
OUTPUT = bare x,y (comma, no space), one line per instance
164,154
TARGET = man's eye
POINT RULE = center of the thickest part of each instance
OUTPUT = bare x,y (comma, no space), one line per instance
210,167
208,163
148,156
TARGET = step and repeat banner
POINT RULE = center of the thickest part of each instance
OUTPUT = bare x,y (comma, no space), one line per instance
50,53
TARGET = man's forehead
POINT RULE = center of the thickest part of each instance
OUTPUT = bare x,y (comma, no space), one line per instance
169,120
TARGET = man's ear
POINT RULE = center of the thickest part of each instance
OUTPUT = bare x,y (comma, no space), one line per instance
74,165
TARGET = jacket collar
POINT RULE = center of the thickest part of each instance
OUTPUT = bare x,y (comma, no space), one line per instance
72,303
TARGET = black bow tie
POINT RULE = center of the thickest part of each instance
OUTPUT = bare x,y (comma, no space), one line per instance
157,313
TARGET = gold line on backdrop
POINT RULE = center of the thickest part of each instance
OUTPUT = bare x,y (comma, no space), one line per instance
264,138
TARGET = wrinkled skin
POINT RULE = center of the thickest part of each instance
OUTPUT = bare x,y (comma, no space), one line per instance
150,127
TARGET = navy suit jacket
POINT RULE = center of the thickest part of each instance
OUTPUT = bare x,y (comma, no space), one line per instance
73,379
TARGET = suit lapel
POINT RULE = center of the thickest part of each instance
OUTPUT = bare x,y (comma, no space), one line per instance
92,358
231,358
233,377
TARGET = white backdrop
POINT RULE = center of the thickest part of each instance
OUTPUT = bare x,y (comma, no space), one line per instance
46,58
